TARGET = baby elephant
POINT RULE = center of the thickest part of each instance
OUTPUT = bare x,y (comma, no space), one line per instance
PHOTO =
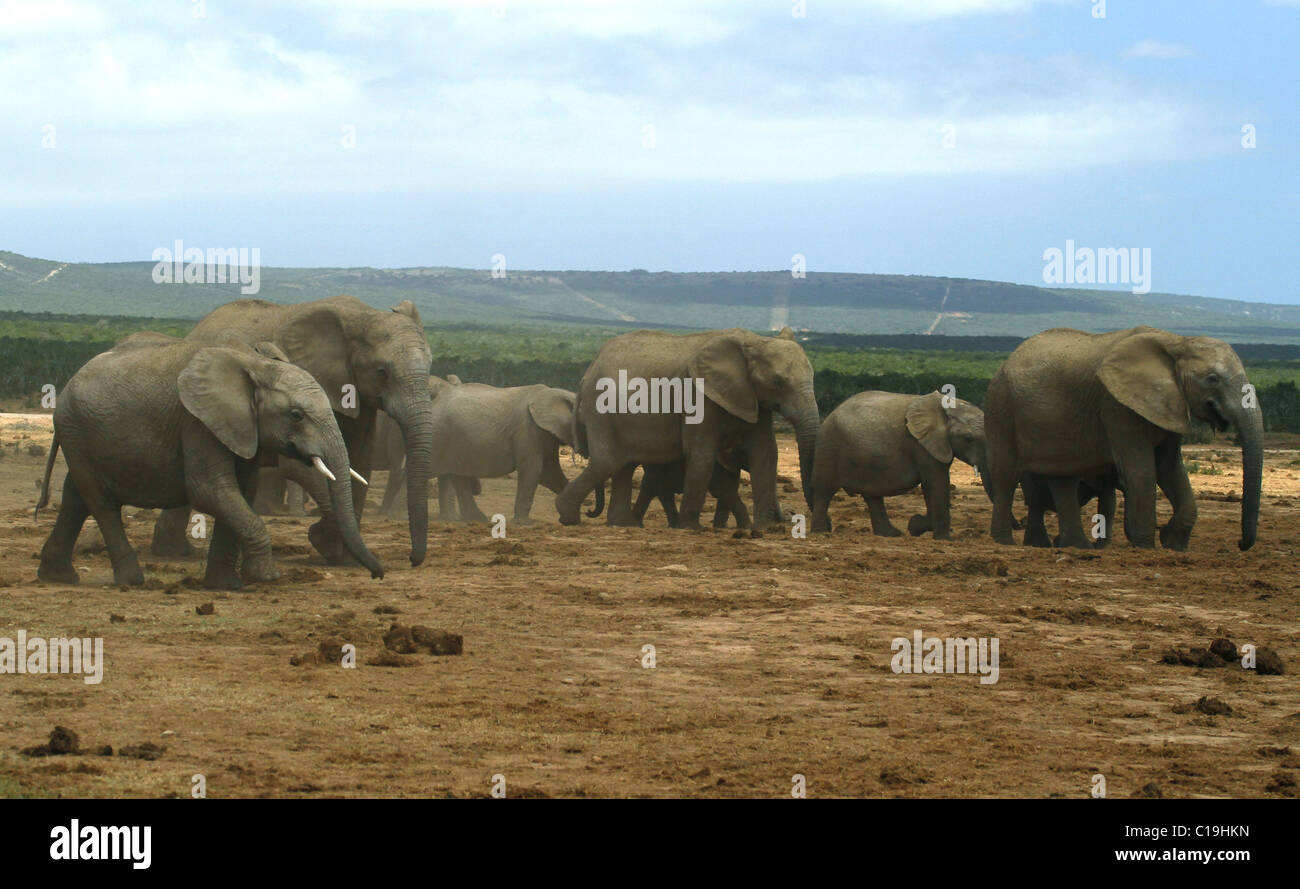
160,423
879,444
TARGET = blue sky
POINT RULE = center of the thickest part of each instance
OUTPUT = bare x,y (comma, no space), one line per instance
679,135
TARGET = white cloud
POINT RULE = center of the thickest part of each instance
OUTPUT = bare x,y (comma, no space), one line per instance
1155,49
23,19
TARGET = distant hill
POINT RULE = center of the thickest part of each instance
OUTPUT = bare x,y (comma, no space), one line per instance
825,302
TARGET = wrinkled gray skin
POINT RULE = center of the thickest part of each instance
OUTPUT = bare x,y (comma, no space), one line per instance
276,495
341,341
487,431
881,444
158,422
1072,405
1038,498
390,455
746,377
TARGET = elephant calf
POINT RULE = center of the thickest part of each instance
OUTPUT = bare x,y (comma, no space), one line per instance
162,423
485,432
879,444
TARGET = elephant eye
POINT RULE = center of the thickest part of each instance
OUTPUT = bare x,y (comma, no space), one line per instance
296,415
381,372
1212,378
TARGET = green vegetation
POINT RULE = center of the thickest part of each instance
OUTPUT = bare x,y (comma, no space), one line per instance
36,349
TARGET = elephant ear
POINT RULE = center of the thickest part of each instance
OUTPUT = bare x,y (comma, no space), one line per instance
1139,372
217,388
407,308
314,340
929,425
552,410
785,334
724,367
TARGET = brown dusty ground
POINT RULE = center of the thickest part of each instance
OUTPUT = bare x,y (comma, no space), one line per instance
772,659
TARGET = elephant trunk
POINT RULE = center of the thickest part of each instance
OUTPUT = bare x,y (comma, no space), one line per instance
1250,428
806,420
414,416
336,460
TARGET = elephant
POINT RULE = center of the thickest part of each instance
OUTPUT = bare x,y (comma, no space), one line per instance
1069,405
159,422
880,444
365,360
664,482
1038,499
744,378
488,431
276,495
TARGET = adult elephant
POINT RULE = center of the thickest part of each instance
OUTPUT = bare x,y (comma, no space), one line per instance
879,444
365,360
745,378
160,422
488,431
1069,405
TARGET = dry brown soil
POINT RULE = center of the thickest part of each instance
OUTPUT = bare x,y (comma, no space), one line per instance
772,658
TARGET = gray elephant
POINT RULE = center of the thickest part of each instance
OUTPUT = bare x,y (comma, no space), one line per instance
365,360
881,444
664,482
488,431
164,423
1069,405
639,403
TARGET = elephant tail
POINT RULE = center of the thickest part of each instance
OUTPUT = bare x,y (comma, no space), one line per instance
600,501
49,470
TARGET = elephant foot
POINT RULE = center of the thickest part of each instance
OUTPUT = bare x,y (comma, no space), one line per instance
60,571
1101,543
1003,538
128,575
329,544
260,570
917,525
1175,538
1038,537
1072,542
522,520
887,531
821,524
570,519
221,578
173,549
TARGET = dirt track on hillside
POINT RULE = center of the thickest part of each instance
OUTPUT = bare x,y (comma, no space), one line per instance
772,659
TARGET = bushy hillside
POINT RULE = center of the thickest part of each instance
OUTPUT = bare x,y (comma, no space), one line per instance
827,302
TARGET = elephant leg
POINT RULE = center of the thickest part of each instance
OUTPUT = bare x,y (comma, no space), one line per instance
695,483
620,498
108,515
1106,509
1172,478
56,555
1065,495
170,534
938,518
527,477
651,487
761,450
236,527
447,510
880,524
464,488
725,487
297,498
821,520
394,505
1003,478
1138,475
1035,529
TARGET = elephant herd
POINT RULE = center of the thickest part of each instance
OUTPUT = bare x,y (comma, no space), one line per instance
323,393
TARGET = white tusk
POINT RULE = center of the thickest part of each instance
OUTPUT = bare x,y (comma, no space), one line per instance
358,476
324,470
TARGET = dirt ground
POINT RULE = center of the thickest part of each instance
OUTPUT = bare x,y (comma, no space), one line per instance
771,653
